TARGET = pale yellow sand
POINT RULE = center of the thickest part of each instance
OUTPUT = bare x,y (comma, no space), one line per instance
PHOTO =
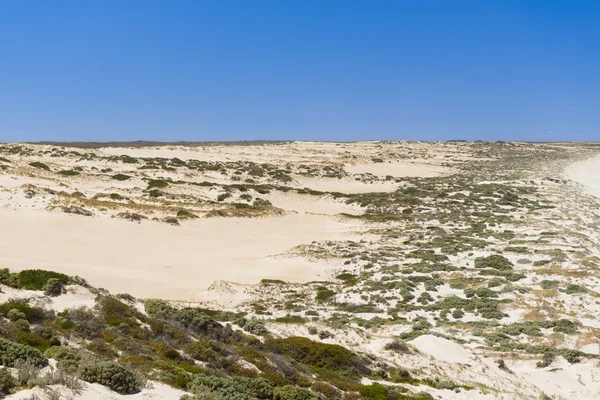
154,259
586,173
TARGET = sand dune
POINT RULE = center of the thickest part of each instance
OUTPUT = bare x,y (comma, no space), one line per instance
159,260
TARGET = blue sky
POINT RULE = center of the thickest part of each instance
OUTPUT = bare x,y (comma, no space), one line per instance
315,70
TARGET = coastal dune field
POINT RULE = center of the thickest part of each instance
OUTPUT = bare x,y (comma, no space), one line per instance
375,270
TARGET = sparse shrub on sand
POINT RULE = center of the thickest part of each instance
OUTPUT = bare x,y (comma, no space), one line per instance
255,327
157,184
115,376
39,165
68,172
494,261
185,214
155,193
53,287
324,295
35,279
121,177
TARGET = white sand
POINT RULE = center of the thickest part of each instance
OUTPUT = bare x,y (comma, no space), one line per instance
442,349
586,173
398,169
94,391
154,259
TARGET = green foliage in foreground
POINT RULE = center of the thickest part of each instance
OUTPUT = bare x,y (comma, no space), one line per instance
11,352
36,279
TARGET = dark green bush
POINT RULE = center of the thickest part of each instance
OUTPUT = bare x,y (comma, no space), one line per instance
32,314
575,289
10,352
324,295
289,392
321,357
39,165
7,382
110,374
494,261
9,279
60,353
121,177
53,287
35,279
68,172
157,184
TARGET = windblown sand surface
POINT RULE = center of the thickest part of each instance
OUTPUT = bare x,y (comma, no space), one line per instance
159,260
473,267
587,173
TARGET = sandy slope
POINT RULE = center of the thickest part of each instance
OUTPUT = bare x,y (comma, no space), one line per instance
159,260
587,173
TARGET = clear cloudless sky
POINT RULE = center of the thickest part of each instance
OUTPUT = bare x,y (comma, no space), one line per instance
305,69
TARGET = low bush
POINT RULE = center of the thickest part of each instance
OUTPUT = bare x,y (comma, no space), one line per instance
121,177
53,287
11,352
7,382
68,172
494,261
321,357
60,353
31,314
35,279
39,165
115,376
157,184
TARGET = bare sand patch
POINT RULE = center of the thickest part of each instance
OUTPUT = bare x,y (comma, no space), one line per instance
153,259
586,173
442,349
398,170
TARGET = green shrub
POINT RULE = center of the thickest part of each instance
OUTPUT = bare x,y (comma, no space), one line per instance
32,314
185,214
110,374
15,315
159,309
7,382
321,357
157,184
69,366
68,172
9,279
39,165
289,392
53,287
11,352
255,327
324,295
155,193
494,261
121,177
35,279
575,289
60,353
546,284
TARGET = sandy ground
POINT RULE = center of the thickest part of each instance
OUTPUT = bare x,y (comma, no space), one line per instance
159,260
94,391
586,173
